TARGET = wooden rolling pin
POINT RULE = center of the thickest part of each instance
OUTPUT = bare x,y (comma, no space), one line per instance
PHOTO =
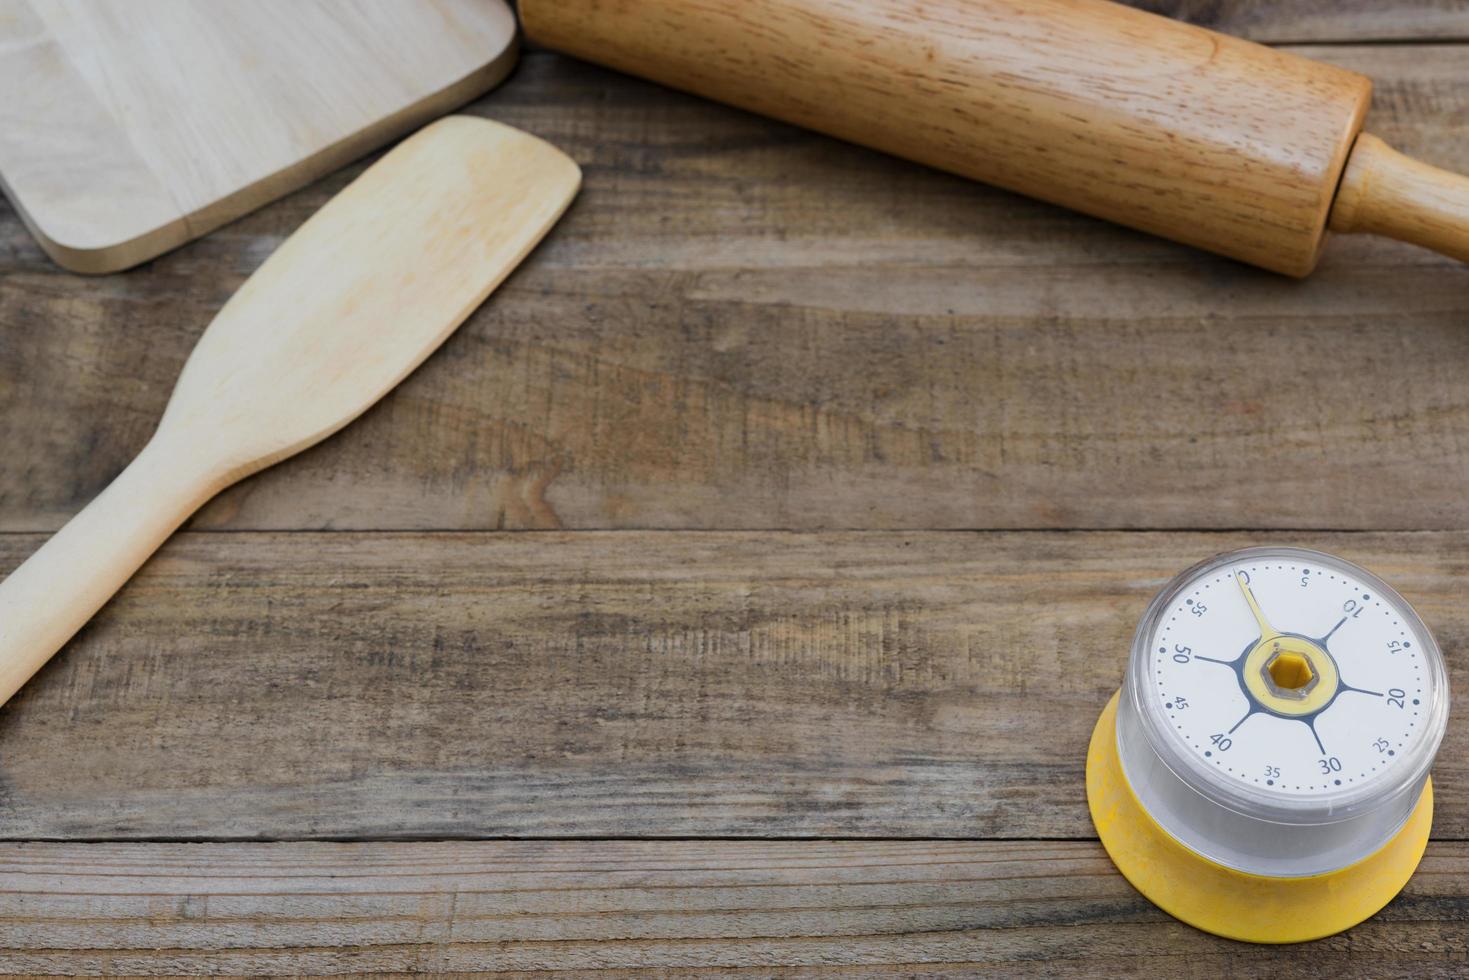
1173,129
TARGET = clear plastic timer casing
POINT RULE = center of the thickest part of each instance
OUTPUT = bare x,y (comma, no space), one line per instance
1281,710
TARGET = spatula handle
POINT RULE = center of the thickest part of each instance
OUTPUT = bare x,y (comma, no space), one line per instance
54,592
1384,192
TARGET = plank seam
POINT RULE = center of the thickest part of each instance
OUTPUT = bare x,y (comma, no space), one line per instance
589,839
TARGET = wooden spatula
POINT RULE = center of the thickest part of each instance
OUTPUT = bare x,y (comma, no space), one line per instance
343,311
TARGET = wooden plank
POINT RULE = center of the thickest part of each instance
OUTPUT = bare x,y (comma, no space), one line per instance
744,325
929,908
1304,21
625,684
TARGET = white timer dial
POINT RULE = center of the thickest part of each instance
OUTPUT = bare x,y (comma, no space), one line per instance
1281,710
1334,692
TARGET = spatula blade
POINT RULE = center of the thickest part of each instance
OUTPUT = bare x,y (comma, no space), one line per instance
368,287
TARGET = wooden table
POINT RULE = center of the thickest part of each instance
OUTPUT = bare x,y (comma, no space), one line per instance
739,587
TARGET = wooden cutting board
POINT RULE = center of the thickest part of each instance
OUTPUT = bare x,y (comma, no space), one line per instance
128,127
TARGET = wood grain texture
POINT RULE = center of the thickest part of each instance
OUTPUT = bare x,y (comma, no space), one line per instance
1196,136
742,325
1322,20
131,128
620,684
929,909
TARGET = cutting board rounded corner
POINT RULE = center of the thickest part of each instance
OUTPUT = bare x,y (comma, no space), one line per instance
99,198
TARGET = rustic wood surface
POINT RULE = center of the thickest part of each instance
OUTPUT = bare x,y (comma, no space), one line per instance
619,684
932,909
742,325
821,429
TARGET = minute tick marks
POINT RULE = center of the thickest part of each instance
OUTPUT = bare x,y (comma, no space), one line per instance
1315,659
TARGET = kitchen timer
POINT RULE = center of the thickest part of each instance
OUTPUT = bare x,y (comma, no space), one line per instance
1263,772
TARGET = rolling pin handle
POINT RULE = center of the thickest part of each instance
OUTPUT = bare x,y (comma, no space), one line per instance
1386,193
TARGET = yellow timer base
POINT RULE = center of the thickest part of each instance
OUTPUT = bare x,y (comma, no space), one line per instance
1232,903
